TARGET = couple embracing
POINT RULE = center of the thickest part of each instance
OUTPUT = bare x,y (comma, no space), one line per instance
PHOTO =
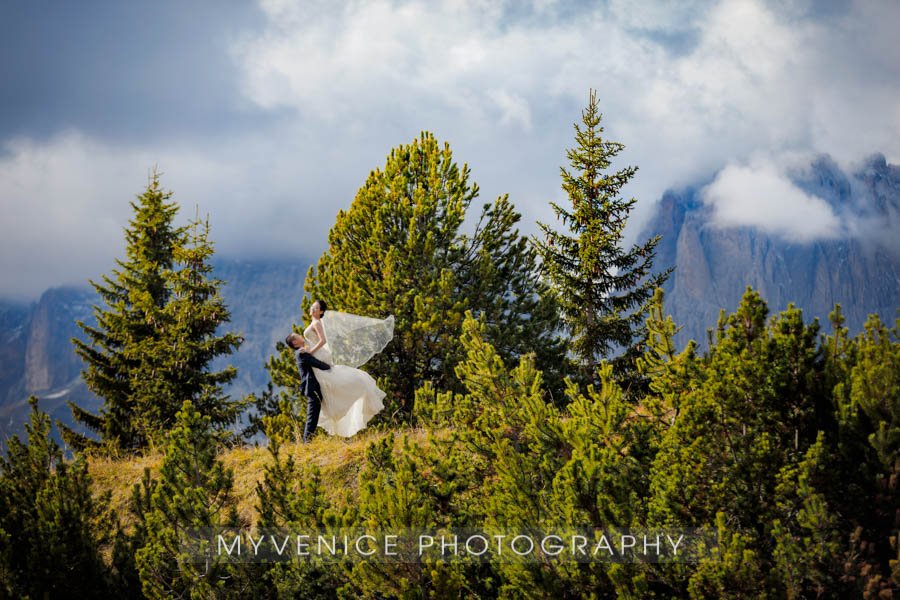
340,398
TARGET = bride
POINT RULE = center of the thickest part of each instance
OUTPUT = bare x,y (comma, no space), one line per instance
350,396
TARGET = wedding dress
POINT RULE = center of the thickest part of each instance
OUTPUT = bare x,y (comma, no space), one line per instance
350,396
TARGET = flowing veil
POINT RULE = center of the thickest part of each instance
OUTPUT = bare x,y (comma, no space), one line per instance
354,339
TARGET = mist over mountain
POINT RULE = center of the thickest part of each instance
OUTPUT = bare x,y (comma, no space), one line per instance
37,357
841,248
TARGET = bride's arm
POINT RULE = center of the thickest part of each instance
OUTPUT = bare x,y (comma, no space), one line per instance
320,333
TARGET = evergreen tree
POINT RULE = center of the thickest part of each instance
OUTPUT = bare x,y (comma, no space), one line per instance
868,472
52,529
752,410
293,496
154,343
603,290
399,250
524,465
750,449
400,494
134,298
175,365
498,277
193,497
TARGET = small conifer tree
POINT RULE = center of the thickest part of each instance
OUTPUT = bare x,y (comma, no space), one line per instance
192,498
52,529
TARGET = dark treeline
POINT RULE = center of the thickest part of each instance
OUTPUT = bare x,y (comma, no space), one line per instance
546,376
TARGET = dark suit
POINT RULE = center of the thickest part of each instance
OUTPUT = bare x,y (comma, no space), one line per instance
309,387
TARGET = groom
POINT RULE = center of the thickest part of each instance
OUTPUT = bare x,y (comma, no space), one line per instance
309,386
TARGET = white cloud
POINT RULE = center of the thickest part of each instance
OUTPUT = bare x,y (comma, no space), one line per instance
688,90
761,195
514,108
66,202
756,77
60,208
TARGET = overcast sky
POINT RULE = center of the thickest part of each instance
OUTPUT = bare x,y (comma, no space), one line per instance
270,115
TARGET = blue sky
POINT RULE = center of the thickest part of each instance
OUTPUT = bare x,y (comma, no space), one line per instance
270,115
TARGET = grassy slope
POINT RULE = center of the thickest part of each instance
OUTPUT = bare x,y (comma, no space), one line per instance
339,460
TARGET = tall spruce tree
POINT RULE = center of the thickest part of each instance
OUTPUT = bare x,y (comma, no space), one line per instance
399,250
603,290
175,365
134,298
156,337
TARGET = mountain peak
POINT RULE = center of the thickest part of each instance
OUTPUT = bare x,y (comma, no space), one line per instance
714,264
876,162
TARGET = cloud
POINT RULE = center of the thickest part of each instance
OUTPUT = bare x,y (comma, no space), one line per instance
514,108
762,196
756,76
308,96
60,211
66,203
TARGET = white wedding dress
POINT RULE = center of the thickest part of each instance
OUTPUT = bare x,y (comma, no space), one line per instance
350,396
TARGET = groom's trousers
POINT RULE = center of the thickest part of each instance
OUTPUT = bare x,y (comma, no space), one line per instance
313,406
309,387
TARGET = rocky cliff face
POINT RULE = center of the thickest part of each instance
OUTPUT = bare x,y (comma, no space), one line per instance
50,361
714,264
264,299
13,344
37,357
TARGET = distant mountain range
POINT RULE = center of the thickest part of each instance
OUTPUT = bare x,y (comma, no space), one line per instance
37,357
713,267
715,264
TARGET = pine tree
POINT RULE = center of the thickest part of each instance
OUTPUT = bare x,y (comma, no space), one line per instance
746,422
868,406
134,299
603,290
399,250
498,277
52,529
293,496
400,494
524,464
192,498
